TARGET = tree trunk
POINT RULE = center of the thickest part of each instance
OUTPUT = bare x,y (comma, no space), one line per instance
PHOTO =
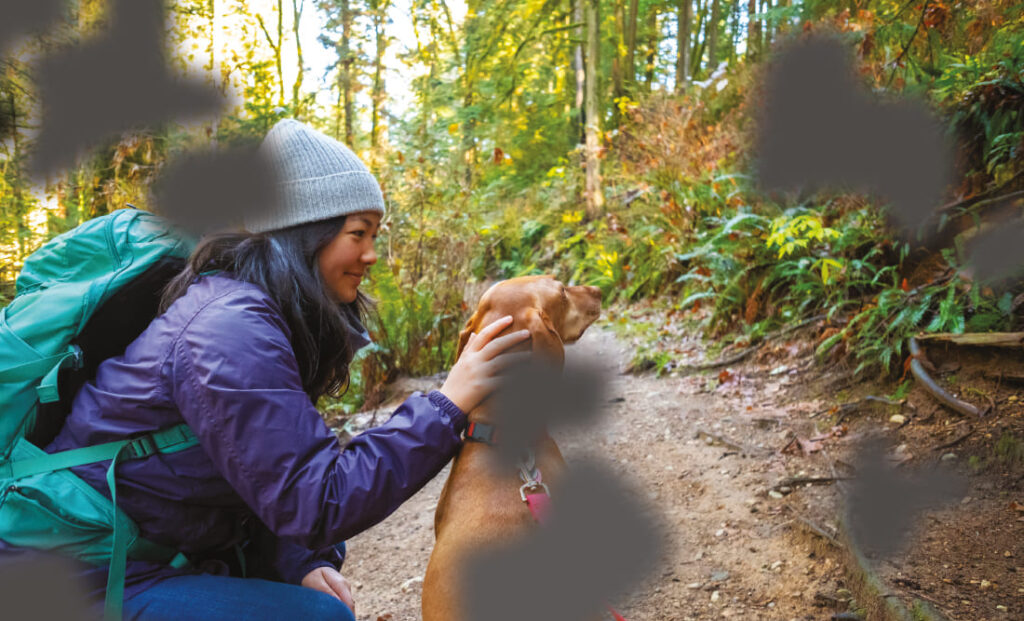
468,99
592,192
339,110
297,7
618,89
736,32
712,36
581,72
753,32
15,179
275,46
380,9
684,17
629,30
781,26
698,40
345,71
653,37
277,51
214,70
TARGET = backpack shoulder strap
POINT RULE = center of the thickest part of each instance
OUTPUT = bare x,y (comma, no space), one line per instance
170,440
166,441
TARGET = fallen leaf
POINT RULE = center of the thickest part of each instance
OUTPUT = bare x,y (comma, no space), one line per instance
809,446
1016,506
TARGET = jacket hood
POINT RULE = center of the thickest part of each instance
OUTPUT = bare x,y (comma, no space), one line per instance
358,336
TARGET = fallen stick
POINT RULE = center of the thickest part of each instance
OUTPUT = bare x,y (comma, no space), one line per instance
724,362
733,444
1000,376
793,481
954,442
978,339
845,408
788,444
943,397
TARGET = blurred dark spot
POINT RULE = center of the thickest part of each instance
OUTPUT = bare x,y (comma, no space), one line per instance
107,86
885,501
597,543
818,129
38,586
536,396
212,191
998,254
18,17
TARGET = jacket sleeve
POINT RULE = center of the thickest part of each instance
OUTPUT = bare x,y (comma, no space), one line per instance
235,380
292,562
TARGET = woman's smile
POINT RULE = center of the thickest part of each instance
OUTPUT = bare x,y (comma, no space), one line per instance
345,259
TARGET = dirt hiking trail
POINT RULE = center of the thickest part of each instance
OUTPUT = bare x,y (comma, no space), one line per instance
706,461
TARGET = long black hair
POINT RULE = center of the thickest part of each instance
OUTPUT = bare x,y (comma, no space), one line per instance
283,263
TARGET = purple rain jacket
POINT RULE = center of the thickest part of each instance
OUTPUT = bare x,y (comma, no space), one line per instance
267,468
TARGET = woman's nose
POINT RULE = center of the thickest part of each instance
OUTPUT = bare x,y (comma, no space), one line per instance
370,256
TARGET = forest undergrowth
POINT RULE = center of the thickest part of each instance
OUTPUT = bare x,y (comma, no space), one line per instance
687,230
484,175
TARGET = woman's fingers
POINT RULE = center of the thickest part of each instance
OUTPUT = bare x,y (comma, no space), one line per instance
480,339
341,588
500,344
509,359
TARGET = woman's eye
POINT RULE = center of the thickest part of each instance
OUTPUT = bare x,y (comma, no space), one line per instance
359,233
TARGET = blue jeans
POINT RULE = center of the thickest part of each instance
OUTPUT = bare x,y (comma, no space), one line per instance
207,597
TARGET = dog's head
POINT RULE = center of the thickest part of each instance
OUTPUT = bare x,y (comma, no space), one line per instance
553,313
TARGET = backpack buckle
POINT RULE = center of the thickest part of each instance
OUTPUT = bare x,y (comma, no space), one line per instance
142,447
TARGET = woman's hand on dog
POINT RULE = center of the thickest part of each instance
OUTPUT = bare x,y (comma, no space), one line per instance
328,580
476,373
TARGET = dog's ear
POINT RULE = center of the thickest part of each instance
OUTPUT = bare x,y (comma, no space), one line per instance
545,337
464,335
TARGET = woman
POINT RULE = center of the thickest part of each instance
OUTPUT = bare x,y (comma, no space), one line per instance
252,332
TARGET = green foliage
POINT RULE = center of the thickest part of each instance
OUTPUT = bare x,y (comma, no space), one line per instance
484,176
1009,449
975,463
902,390
878,331
648,358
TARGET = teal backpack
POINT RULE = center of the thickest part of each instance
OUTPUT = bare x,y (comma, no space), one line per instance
81,298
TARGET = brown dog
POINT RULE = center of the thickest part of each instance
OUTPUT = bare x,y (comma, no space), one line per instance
478,506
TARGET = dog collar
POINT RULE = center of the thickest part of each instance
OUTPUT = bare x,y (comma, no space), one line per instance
482,432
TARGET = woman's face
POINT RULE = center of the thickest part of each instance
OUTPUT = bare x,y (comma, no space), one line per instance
344,260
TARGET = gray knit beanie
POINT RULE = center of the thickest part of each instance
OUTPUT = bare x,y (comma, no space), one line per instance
318,178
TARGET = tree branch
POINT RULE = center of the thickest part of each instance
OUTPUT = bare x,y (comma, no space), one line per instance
266,33
906,47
